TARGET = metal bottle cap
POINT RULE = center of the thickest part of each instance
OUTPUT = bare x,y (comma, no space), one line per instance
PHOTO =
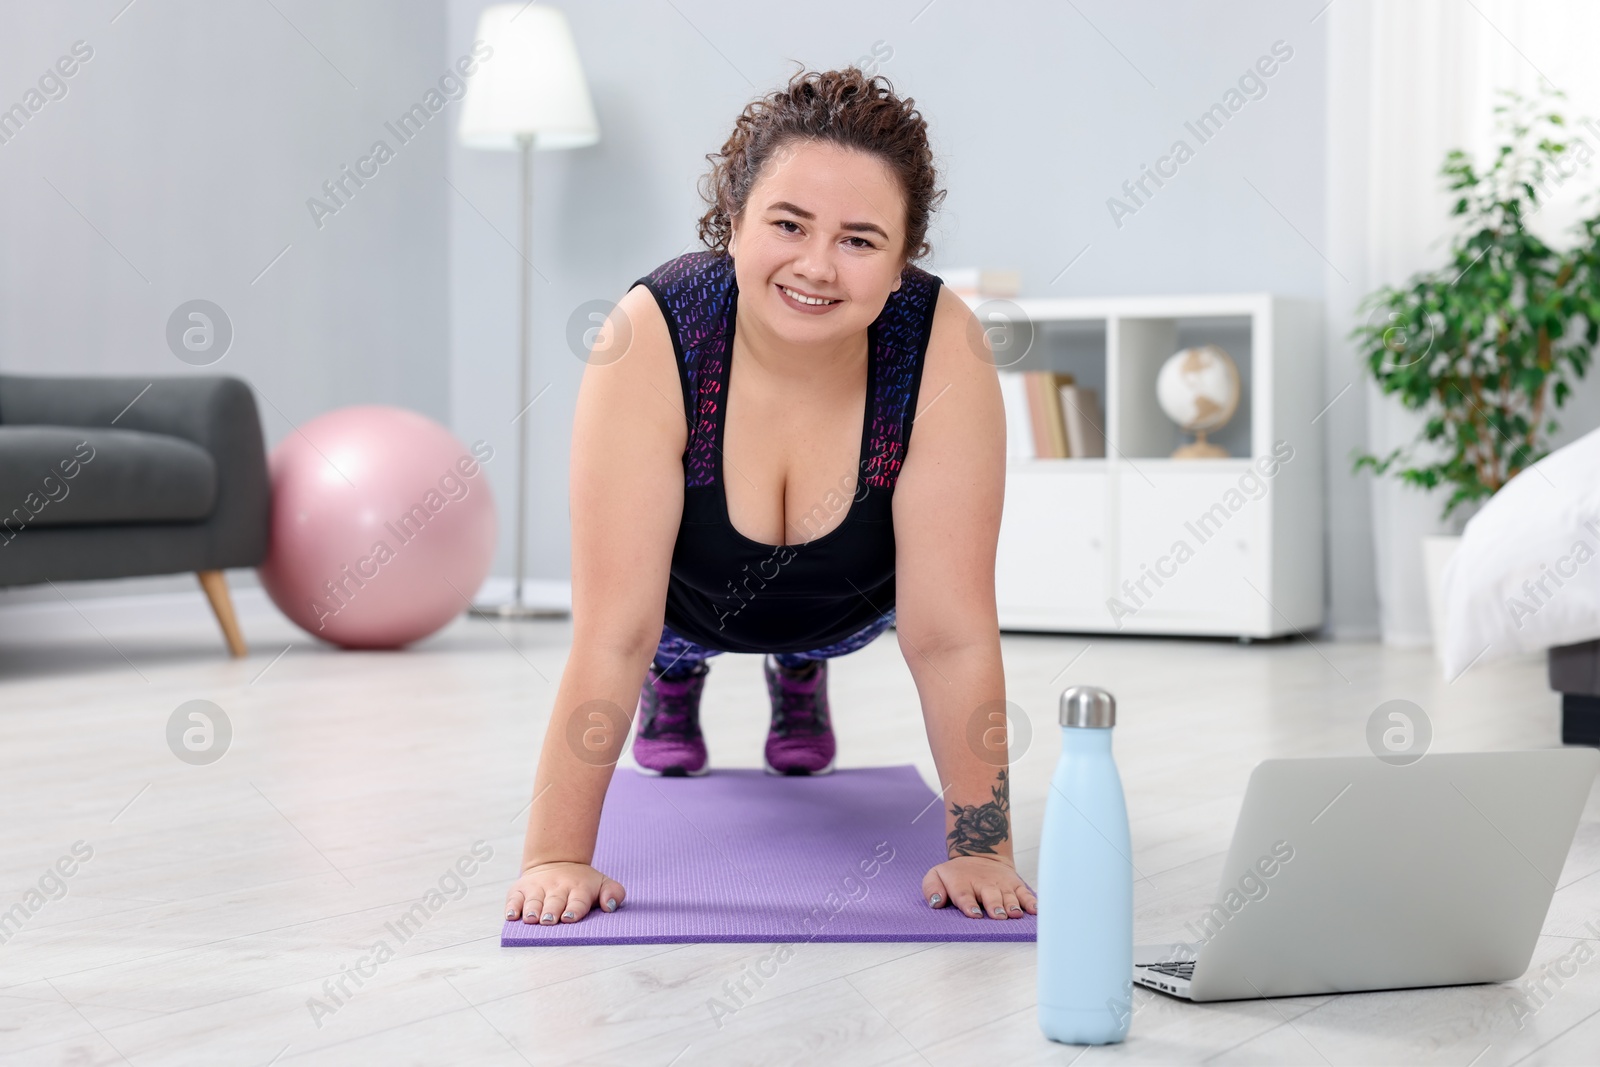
1088,705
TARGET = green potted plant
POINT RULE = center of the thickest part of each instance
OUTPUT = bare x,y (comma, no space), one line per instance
1487,347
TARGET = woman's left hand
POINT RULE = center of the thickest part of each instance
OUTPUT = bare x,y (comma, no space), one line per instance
980,886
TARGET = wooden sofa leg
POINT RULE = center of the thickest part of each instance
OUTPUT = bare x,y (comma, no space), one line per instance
215,583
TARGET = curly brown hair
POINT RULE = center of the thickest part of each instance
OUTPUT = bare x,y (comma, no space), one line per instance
842,107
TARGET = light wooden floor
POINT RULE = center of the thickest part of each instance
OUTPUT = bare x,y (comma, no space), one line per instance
220,898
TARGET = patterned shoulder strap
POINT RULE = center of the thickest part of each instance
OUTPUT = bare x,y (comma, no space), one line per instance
694,292
902,331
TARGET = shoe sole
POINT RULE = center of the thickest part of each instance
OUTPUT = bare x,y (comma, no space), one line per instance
798,772
672,772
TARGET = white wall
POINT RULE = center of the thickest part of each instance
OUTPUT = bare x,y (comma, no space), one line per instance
191,142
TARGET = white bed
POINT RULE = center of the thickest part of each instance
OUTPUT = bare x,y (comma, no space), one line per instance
1527,574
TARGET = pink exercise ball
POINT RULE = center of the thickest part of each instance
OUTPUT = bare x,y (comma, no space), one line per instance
382,526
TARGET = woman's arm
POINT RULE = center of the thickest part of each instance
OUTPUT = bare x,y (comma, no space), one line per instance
947,522
628,436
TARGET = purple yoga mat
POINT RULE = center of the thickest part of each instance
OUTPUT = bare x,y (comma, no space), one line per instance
742,855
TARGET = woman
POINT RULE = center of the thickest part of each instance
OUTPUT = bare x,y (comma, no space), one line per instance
746,480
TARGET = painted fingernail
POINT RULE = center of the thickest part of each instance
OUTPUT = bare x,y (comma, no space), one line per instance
977,910
511,914
547,917
933,901
569,915
611,903
999,911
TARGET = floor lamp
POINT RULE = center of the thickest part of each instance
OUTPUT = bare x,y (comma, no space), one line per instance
528,94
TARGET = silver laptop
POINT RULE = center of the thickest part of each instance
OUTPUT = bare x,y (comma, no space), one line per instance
1348,873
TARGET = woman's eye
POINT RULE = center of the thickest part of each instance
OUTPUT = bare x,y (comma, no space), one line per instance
786,222
864,242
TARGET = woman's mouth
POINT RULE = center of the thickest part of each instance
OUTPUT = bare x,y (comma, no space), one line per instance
801,302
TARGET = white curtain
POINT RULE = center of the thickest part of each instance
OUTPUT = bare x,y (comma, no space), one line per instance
1409,80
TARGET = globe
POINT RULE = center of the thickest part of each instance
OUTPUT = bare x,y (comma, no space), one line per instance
1198,388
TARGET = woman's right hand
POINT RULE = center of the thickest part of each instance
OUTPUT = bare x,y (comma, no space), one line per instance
548,893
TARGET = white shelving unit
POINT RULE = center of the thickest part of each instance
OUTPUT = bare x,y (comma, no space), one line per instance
1080,538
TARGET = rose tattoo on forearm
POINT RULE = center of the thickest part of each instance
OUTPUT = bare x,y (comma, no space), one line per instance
981,827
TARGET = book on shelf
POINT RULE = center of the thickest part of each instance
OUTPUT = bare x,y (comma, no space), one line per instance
1044,410
1085,423
1050,416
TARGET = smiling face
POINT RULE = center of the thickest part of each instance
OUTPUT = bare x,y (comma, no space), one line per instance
825,223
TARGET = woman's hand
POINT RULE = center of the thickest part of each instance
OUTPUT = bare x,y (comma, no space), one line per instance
979,886
550,893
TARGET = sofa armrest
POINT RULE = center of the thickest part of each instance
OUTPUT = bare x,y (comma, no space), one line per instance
216,412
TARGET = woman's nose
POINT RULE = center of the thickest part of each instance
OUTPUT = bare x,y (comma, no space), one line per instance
815,264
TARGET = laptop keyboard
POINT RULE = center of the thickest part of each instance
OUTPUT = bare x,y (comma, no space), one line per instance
1173,968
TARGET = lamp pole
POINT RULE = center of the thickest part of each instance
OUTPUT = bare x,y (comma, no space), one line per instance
524,358
516,608
533,95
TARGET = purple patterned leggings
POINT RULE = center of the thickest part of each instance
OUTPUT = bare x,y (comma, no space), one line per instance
677,656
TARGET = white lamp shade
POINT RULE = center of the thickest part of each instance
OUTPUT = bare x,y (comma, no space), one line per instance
532,85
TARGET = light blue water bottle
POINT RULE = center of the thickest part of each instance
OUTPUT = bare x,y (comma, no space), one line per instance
1085,883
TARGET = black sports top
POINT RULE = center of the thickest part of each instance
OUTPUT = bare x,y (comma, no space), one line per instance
730,593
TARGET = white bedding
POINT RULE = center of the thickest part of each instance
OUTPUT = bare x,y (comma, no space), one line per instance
1527,574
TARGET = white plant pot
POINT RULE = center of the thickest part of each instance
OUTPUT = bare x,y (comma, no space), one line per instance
1436,552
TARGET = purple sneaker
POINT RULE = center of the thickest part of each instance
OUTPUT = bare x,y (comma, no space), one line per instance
668,740
801,738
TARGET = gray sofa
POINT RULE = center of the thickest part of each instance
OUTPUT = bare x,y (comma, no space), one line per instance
118,477
1575,674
